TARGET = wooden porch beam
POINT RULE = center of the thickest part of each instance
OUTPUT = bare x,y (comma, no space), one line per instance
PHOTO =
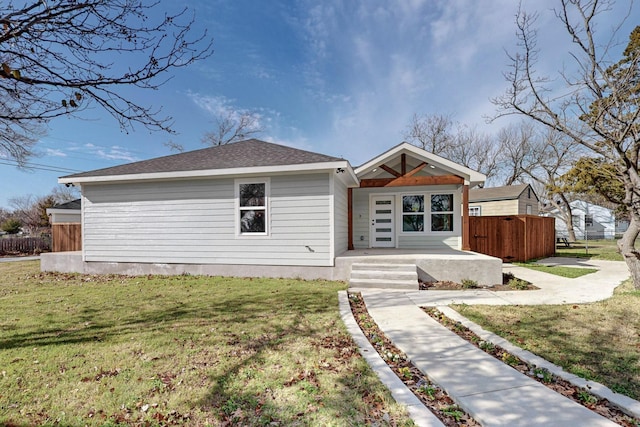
466,241
411,181
403,164
391,171
416,169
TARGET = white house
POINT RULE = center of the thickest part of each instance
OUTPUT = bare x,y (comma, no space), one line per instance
254,208
591,221
65,213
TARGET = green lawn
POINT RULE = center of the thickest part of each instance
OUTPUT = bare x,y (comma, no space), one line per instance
90,350
596,341
593,249
558,270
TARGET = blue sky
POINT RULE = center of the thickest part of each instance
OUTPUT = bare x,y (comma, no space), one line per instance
341,78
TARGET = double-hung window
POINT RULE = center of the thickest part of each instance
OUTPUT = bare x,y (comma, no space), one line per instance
252,198
412,213
475,211
442,212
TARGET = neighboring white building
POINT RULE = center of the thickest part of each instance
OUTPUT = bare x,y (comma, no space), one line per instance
65,213
591,222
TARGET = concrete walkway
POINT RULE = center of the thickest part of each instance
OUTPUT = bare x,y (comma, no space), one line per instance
19,258
489,390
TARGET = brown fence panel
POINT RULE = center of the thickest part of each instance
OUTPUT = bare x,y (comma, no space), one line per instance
24,245
541,237
66,237
513,237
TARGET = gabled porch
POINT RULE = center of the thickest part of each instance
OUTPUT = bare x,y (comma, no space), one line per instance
409,198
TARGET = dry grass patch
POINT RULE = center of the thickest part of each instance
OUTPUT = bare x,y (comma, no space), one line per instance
593,249
597,341
114,350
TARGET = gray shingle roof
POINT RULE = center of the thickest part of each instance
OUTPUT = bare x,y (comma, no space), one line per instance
507,192
73,204
242,154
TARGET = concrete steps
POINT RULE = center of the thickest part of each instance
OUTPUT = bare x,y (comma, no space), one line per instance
384,276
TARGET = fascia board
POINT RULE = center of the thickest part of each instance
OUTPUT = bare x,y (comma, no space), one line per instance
470,176
208,173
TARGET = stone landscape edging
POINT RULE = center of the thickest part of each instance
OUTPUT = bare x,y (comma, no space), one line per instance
418,412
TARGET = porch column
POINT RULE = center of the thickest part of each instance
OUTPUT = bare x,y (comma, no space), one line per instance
350,218
466,242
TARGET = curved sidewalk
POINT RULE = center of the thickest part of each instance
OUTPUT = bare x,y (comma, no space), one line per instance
553,289
489,390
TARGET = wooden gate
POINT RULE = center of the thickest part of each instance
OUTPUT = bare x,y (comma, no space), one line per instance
513,237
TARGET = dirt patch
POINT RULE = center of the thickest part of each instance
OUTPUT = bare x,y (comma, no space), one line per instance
508,284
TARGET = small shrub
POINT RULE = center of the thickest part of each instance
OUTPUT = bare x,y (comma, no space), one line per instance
486,346
405,372
428,390
586,397
510,359
518,284
454,412
506,277
544,375
11,226
469,284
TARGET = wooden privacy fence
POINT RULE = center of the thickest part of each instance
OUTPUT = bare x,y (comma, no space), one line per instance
24,245
513,237
66,237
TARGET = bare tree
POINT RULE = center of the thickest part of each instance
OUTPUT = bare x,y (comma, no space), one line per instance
475,150
540,156
456,142
514,142
31,211
62,194
59,57
432,133
599,107
234,126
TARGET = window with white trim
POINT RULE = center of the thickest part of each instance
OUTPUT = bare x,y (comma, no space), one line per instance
252,213
588,220
413,213
442,212
475,210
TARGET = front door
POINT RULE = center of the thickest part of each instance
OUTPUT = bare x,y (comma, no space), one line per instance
382,230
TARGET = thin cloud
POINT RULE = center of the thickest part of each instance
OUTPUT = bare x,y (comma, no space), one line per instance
54,152
220,107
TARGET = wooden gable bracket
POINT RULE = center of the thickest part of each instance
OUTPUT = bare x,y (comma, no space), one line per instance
408,179
391,171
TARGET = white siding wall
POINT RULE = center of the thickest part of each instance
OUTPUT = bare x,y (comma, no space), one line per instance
194,222
405,241
603,226
73,216
341,216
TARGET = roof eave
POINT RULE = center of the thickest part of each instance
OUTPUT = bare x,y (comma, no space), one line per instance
308,167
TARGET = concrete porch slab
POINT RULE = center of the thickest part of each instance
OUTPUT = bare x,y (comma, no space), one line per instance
432,264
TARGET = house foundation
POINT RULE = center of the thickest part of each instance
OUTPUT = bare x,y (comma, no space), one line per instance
435,265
